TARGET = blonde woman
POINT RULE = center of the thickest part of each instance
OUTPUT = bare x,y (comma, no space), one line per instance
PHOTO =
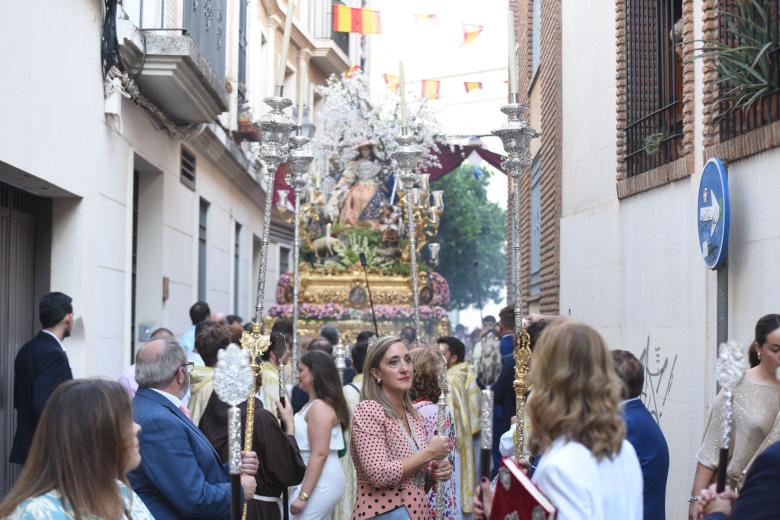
587,468
394,461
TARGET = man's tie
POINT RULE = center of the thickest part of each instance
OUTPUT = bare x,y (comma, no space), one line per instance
185,411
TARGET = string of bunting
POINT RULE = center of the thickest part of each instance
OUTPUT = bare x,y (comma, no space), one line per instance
431,88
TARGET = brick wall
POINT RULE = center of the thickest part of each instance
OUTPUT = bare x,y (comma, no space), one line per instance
549,154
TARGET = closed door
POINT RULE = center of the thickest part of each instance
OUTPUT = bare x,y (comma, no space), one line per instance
17,310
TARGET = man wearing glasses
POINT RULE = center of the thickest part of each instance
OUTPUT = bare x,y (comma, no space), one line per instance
180,475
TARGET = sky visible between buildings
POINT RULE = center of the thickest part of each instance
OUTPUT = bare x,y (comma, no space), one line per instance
428,36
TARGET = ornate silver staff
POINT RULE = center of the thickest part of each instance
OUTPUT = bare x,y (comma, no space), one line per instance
298,177
233,379
441,421
516,135
730,369
276,127
407,155
339,355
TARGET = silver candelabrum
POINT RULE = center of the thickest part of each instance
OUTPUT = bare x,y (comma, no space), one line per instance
516,135
274,148
441,419
300,158
406,156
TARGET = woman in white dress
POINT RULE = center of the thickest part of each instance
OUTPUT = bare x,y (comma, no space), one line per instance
319,429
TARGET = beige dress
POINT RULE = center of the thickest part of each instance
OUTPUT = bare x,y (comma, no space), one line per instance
756,405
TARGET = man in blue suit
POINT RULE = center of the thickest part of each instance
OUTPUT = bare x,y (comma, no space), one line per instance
758,497
644,434
180,476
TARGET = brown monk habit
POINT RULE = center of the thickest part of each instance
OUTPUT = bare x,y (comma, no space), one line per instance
281,464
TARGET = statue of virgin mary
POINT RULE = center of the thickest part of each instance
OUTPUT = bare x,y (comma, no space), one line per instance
359,194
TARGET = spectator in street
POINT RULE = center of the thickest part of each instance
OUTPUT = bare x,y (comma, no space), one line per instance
180,475
85,443
274,360
199,312
409,336
299,397
210,338
644,434
219,317
41,365
127,379
757,499
234,318
503,392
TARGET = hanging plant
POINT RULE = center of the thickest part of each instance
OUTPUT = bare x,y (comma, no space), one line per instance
746,73
653,143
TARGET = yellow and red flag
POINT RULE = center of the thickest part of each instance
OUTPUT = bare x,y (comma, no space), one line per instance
430,88
472,85
354,69
393,82
424,20
470,32
356,20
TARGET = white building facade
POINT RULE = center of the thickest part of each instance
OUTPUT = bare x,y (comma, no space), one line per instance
138,215
630,260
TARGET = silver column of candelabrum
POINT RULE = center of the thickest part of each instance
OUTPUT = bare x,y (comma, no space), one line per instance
298,177
407,155
276,127
516,135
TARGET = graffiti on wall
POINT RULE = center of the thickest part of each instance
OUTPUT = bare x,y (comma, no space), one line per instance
659,376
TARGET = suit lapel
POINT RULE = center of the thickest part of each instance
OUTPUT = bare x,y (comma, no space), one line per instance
160,399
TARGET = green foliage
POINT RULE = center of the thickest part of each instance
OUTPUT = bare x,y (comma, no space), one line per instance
472,229
653,143
746,71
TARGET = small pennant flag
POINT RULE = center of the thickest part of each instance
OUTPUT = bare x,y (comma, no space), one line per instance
354,69
472,85
393,82
426,20
470,32
355,20
430,88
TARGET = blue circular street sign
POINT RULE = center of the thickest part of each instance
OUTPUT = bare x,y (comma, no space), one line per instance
713,213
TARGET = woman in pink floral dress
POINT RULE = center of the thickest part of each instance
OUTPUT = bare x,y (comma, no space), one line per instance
395,463
425,396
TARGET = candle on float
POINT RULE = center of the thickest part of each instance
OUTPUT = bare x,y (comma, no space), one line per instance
512,53
402,87
285,45
301,90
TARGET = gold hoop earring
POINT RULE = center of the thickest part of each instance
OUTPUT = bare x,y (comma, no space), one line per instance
378,381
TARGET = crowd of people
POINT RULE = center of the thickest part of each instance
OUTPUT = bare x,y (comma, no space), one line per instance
394,436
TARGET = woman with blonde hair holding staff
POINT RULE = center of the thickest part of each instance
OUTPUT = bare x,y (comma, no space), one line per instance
395,463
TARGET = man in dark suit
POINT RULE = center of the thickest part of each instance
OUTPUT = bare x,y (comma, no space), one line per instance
41,365
181,475
757,499
504,395
644,434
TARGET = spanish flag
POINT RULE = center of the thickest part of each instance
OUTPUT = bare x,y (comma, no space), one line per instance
430,88
470,32
393,82
354,69
355,20
472,85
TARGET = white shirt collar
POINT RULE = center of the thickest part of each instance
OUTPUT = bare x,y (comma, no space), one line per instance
637,398
172,398
50,333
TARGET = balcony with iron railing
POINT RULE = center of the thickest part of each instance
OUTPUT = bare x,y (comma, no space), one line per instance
180,69
331,52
